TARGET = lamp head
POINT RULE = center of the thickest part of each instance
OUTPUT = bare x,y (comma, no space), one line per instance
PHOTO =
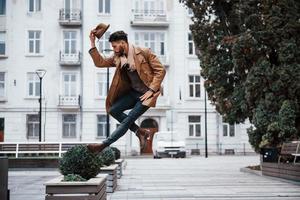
40,72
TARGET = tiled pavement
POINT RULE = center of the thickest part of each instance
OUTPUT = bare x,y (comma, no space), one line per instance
215,177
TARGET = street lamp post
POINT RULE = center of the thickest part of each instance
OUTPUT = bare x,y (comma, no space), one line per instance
107,115
40,73
205,116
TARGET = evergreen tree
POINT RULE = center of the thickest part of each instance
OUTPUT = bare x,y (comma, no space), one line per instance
249,52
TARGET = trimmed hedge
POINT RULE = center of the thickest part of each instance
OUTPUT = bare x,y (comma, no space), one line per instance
79,160
107,156
117,153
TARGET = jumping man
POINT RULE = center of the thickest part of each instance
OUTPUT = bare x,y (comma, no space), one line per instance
135,85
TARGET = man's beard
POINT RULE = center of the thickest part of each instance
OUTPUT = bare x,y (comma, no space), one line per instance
121,52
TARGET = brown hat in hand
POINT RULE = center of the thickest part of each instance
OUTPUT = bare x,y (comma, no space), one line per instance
100,30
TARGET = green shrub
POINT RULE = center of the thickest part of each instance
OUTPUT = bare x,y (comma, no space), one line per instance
107,156
117,153
73,177
79,160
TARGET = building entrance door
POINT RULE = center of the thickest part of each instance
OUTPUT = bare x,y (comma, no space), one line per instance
1,129
151,125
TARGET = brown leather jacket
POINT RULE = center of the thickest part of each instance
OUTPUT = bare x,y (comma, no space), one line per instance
148,67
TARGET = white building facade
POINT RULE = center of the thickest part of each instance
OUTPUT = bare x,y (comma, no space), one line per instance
54,35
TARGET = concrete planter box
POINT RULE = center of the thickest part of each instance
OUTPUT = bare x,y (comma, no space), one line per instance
111,172
93,189
281,170
119,162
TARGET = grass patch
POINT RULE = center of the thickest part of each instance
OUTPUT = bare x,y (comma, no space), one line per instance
254,167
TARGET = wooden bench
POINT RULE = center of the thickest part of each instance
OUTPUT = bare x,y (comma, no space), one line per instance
17,148
30,148
8,147
47,148
290,150
67,146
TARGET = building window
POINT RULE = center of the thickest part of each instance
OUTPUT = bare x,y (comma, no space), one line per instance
156,41
225,130
149,7
101,85
34,5
149,40
70,42
104,45
104,6
161,44
2,7
34,42
195,126
190,12
33,85
69,85
33,125
101,125
2,84
191,44
232,130
2,43
162,92
194,86
69,125
228,128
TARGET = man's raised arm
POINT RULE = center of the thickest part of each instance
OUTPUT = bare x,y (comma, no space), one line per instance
99,61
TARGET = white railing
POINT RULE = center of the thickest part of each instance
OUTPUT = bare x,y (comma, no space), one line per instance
18,148
149,15
70,15
73,101
69,58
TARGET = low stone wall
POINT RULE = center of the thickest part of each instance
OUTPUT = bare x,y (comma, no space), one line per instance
4,192
33,162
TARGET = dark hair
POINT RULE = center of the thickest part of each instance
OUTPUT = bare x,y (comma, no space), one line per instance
118,35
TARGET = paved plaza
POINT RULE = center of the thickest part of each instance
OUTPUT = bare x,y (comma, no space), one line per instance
215,177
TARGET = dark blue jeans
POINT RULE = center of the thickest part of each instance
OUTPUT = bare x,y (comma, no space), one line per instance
129,101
